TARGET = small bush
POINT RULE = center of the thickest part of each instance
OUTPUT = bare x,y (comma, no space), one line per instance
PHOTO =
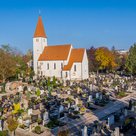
38,129
4,133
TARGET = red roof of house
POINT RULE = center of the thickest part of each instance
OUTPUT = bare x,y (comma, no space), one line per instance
57,52
39,32
76,56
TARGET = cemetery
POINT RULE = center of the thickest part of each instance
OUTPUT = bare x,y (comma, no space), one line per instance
47,104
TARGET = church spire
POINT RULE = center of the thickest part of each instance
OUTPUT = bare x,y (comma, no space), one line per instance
39,32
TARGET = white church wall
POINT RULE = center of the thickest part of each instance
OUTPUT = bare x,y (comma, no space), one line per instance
85,72
75,73
66,75
51,71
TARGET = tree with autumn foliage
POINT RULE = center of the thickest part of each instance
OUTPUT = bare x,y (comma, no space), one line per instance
13,62
105,58
7,63
93,64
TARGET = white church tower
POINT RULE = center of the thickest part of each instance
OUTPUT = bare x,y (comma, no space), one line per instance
39,42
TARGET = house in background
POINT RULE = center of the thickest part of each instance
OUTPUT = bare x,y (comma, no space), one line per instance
61,61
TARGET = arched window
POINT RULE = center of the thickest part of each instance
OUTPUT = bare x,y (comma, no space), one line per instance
61,65
75,68
66,74
47,65
37,40
54,65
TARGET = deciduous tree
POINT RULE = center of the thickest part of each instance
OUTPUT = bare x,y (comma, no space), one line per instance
131,60
105,58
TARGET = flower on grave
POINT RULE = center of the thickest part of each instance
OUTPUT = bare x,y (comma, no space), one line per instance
82,109
16,107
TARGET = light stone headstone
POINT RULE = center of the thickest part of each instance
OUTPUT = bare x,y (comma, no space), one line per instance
68,92
84,131
71,83
68,105
117,132
78,90
90,98
42,91
61,108
27,122
132,109
76,108
20,121
20,88
126,112
46,116
29,111
29,89
77,102
100,96
30,128
116,88
97,95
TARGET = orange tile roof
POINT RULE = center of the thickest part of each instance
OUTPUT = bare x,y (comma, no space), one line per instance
76,56
58,52
39,32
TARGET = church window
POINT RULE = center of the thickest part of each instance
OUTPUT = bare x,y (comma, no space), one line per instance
37,40
66,74
75,68
47,65
61,65
54,65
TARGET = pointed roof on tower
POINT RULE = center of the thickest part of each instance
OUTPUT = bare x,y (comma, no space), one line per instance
39,31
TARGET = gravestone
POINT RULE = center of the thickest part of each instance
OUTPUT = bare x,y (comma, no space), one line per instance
61,108
84,131
97,95
20,120
30,128
126,112
0,125
76,101
27,122
29,111
45,117
78,90
117,132
68,105
68,92
110,120
100,96
90,98
76,108
42,91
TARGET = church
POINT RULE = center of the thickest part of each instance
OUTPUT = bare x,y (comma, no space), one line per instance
62,61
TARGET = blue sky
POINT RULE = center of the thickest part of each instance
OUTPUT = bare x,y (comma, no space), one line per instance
83,23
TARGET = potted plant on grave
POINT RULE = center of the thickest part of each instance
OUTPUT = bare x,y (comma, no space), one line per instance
38,93
4,133
39,121
82,110
38,130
